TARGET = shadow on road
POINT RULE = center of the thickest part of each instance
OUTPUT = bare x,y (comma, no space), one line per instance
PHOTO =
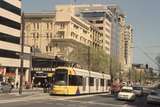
109,95
141,102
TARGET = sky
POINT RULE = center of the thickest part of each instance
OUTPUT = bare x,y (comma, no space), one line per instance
143,15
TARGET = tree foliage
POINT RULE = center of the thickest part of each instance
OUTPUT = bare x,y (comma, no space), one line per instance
93,59
158,61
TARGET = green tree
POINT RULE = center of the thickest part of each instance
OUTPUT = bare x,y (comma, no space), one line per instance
90,58
158,61
99,60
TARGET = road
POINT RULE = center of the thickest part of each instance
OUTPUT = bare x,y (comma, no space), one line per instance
73,101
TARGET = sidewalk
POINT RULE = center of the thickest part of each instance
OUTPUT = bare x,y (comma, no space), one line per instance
28,90
25,96
25,92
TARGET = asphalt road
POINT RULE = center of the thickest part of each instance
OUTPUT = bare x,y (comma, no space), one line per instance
82,101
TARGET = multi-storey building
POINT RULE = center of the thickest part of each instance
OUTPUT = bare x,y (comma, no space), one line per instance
115,38
122,24
126,44
128,47
56,35
98,15
39,31
76,30
105,18
10,40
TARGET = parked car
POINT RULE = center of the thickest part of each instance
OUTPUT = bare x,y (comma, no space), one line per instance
148,89
124,83
154,97
126,93
5,87
0,87
138,90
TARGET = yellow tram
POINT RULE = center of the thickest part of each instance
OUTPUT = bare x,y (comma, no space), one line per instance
74,81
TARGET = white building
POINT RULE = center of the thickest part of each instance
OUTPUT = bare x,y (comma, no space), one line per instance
128,47
10,40
96,14
55,35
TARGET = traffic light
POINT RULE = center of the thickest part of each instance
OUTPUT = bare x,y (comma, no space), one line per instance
146,66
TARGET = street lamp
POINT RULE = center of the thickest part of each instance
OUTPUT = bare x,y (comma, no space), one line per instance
89,65
22,54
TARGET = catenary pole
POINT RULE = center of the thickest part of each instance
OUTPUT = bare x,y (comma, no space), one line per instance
22,54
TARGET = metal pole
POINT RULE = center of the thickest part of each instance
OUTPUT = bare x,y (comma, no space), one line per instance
111,70
141,77
22,53
135,75
89,66
129,75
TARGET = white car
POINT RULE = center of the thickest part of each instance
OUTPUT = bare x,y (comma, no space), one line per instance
138,90
126,93
154,97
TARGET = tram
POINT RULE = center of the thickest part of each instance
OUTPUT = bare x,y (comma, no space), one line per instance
74,81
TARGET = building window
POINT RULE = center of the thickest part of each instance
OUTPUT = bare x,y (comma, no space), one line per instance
47,25
46,48
37,35
99,21
60,34
108,17
9,38
75,26
47,35
76,36
62,26
33,35
84,31
100,28
50,48
37,25
34,26
50,35
91,21
93,14
72,33
51,25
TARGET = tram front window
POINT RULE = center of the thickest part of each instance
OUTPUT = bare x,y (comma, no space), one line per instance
60,77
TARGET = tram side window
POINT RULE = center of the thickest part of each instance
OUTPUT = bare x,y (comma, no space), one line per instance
109,82
102,82
75,80
106,84
72,80
91,81
80,80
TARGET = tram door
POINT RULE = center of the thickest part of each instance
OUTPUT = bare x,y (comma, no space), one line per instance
97,84
84,83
